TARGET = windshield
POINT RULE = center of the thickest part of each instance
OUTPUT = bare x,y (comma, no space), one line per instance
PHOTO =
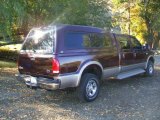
40,41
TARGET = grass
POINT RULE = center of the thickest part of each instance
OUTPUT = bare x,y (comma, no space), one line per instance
7,64
9,52
12,47
2,42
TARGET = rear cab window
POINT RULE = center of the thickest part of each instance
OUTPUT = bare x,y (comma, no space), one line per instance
40,41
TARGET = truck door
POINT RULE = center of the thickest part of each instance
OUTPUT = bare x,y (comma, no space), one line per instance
125,52
139,53
104,47
109,52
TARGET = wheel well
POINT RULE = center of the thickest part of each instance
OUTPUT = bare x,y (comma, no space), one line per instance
94,69
151,59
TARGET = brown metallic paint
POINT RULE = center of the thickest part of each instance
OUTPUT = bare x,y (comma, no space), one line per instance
72,60
39,66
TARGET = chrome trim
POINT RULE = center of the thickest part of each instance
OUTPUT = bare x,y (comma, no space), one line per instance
49,86
45,83
91,88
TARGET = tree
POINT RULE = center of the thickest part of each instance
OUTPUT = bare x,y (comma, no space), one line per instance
18,16
150,12
129,19
144,19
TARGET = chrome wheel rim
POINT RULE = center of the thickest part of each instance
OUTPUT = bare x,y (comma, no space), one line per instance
150,69
91,88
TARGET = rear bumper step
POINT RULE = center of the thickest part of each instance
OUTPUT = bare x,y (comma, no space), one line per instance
39,82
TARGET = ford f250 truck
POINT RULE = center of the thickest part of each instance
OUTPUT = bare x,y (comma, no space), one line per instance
81,57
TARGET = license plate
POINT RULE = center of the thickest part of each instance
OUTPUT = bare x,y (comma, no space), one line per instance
33,80
27,79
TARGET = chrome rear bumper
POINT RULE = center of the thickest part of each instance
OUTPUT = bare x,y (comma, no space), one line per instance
39,82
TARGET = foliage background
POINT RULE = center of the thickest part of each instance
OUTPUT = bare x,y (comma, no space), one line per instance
17,17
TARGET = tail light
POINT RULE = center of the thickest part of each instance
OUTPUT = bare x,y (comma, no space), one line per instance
55,66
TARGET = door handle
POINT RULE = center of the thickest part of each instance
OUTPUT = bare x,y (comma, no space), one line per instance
32,58
123,55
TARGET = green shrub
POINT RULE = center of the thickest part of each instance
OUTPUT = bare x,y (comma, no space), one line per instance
8,54
7,64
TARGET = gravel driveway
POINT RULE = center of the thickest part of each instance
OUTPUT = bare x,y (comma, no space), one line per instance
136,98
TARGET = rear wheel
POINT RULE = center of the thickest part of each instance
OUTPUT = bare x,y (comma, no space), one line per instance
89,87
150,69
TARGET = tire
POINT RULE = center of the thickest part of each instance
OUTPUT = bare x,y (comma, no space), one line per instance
88,89
150,69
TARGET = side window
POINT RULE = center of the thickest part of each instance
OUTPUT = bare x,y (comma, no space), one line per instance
124,42
92,40
107,42
135,44
79,40
73,40
97,40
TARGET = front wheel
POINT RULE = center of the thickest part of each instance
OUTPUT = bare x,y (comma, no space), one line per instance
150,69
89,87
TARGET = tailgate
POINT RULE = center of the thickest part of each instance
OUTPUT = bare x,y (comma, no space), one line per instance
36,65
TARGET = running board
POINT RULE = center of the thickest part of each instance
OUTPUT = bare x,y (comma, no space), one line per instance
130,73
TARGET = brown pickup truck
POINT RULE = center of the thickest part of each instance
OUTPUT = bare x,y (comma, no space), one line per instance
81,57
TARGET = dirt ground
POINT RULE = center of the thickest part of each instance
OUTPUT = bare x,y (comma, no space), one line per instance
136,98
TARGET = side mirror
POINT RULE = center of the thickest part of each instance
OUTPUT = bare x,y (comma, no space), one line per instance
146,47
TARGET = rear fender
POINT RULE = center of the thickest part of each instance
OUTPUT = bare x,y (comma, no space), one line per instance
84,67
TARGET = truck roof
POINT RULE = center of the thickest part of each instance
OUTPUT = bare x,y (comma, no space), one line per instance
77,27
